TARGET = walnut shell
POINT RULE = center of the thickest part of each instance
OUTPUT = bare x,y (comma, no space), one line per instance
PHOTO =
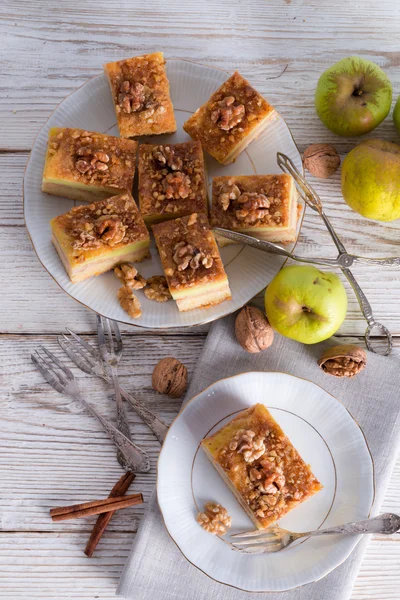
252,329
321,160
170,377
345,360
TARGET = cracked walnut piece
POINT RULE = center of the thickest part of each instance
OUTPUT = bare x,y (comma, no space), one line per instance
186,255
165,156
129,275
131,97
129,302
176,185
247,443
228,113
157,289
214,519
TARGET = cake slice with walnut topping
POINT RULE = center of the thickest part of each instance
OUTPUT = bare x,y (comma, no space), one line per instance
264,206
260,465
94,238
233,117
87,166
191,261
172,181
140,91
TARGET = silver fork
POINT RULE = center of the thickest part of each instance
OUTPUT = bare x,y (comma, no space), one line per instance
63,381
275,538
89,360
110,345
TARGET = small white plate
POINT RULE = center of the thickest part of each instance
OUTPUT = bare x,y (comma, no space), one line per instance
90,107
326,436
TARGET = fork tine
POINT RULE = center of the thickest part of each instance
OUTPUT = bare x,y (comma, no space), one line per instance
49,375
59,364
76,354
248,534
258,542
118,338
73,347
51,367
101,336
108,334
83,343
260,549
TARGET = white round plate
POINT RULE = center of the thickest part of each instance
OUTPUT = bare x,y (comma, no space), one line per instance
327,438
90,107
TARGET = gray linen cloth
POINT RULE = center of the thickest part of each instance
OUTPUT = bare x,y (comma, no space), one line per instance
156,570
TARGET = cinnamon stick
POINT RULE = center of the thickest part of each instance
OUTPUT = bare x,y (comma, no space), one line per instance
95,507
119,489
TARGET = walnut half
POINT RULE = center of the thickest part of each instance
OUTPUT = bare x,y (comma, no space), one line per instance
129,302
214,519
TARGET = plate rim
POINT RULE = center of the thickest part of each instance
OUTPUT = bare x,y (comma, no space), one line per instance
327,571
161,328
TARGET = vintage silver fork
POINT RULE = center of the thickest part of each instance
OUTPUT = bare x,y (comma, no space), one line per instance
275,538
89,360
63,381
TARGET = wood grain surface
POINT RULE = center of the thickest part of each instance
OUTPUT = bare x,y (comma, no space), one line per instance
52,452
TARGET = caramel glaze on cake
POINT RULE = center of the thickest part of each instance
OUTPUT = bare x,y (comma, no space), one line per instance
191,262
260,205
233,116
172,181
260,465
140,91
87,166
94,238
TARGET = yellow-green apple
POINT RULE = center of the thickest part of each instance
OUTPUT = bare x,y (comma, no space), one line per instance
353,96
396,115
305,304
371,180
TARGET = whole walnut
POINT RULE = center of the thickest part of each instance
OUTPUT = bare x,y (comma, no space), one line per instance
321,160
252,329
344,360
170,377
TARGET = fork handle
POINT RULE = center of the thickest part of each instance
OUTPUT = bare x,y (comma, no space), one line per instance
387,523
158,427
136,459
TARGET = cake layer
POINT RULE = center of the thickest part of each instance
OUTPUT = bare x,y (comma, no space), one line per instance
76,191
96,266
208,296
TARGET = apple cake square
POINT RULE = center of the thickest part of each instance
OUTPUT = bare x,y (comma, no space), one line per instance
94,238
191,261
140,92
260,465
172,181
234,116
87,166
264,206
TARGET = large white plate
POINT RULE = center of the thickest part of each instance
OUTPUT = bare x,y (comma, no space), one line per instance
90,107
326,436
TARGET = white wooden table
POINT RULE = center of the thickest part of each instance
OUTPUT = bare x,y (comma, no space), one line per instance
52,452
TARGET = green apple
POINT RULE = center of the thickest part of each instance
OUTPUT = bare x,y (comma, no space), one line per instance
305,304
371,180
353,96
396,115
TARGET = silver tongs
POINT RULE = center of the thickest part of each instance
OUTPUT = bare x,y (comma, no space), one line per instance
343,260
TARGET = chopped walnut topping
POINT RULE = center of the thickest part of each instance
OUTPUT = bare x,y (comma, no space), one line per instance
228,113
186,255
176,185
129,276
247,443
228,192
129,302
214,519
131,97
88,160
157,289
253,207
166,156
